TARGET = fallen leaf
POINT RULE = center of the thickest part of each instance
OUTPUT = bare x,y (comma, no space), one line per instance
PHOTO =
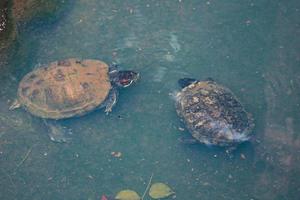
160,190
103,197
127,195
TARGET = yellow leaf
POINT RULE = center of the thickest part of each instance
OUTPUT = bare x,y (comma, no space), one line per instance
127,195
160,190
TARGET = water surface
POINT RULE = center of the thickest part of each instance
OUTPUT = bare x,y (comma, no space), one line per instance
251,47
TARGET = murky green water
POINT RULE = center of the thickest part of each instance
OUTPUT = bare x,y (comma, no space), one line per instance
250,46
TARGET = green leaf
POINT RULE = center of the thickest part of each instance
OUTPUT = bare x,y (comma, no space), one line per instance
127,195
160,190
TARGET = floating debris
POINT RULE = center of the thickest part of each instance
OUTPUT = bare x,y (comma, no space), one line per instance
117,154
149,182
243,157
127,195
25,157
160,190
181,129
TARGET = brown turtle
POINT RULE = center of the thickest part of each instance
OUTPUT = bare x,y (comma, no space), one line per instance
212,113
70,88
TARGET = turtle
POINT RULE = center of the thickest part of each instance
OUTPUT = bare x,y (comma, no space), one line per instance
212,114
70,88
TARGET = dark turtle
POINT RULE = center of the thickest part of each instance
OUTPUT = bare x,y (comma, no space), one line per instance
212,113
70,88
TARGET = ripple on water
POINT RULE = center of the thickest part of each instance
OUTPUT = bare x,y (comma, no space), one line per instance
174,43
159,74
169,57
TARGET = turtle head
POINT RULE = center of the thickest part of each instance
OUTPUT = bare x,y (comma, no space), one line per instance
126,78
184,82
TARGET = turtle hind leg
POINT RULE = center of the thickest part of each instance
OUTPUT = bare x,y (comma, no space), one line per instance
16,104
56,132
111,100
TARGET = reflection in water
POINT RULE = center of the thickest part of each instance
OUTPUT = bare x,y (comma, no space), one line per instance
280,142
159,74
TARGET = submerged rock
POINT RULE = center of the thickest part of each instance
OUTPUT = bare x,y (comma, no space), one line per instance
15,12
3,16
24,10
7,30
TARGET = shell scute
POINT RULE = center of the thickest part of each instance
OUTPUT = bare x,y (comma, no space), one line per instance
57,91
213,114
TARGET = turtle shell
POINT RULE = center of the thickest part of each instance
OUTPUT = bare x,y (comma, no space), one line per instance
65,88
213,114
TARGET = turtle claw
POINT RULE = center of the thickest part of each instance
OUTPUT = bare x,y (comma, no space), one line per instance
108,109
16,104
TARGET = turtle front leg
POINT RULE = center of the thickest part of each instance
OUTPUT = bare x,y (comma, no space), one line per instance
111,100
56,132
